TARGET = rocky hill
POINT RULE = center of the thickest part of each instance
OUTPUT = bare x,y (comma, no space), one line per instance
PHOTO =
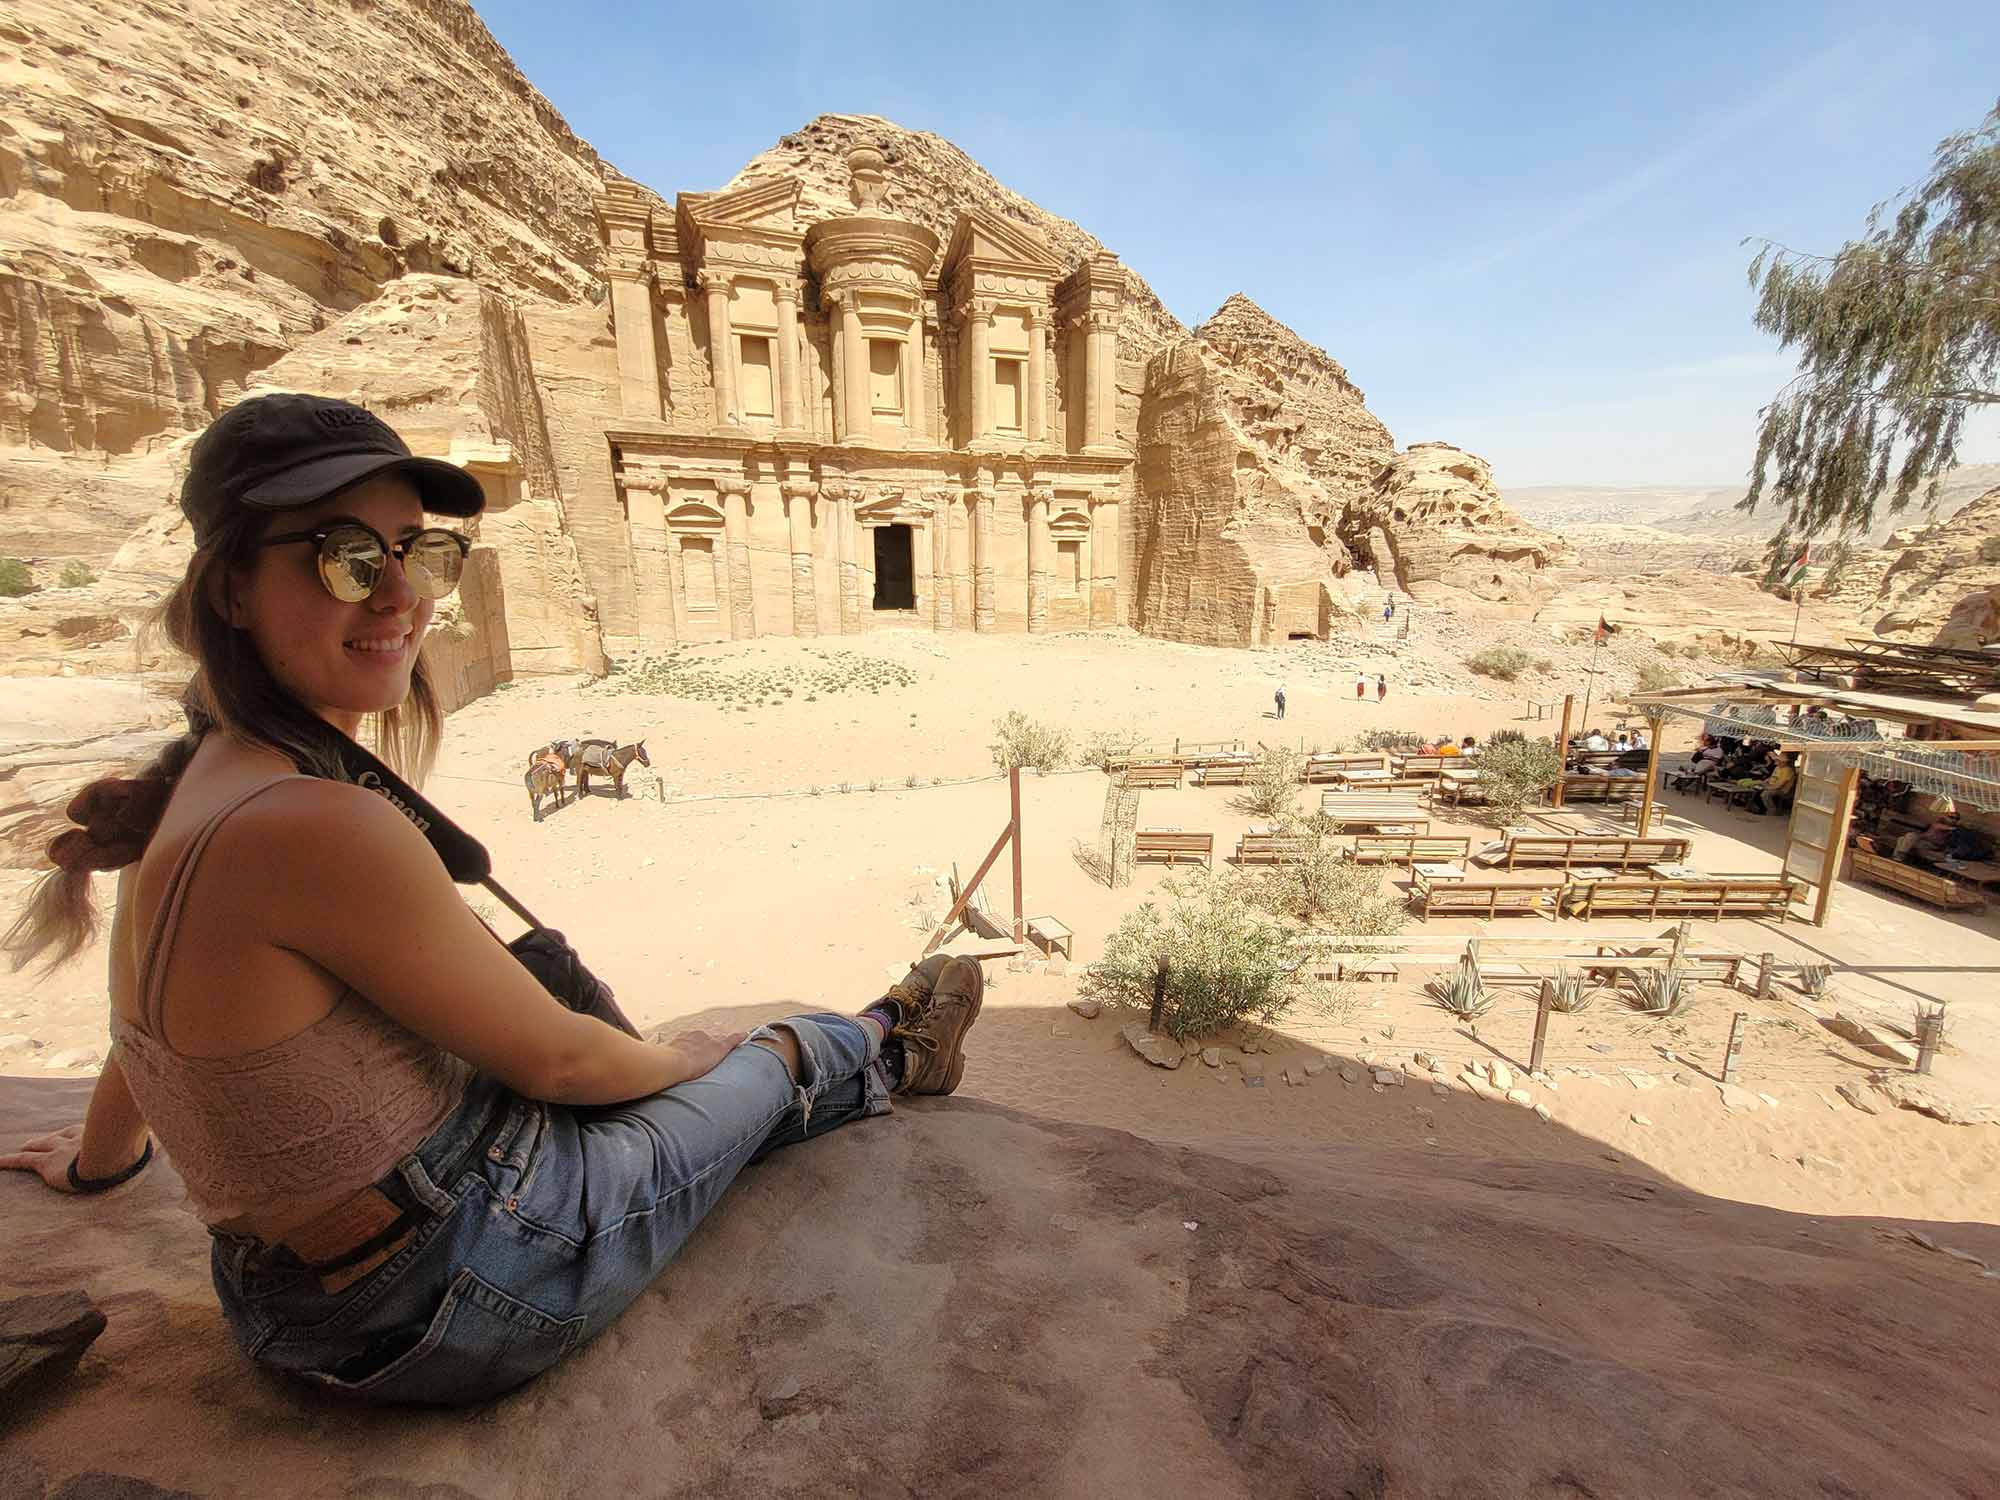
187,191
1935,585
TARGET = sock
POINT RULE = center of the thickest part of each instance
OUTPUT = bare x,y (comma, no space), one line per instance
883,1014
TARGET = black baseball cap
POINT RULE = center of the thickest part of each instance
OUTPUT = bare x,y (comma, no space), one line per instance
281,452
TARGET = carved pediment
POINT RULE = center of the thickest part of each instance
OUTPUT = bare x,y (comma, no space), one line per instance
771,205
992,243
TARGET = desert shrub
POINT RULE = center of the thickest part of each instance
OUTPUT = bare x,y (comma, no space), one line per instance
1387,739
1570,992
15,579
1661,992
1513,773
1545,665
1989,549
1463,992
1273,788
1021,742
1506,737
1656,676
76,574
1327,888
1503,662
1102,746
1227,959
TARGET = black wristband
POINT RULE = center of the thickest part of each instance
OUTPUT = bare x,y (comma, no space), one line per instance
105,1184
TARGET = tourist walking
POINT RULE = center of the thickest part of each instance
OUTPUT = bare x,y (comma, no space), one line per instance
1389,608
432,1164
1360,684
1281,702
1381,686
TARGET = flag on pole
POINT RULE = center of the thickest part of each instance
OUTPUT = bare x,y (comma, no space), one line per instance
1603,632
1795,570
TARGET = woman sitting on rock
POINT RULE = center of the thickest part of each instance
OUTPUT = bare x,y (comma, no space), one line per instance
426,1178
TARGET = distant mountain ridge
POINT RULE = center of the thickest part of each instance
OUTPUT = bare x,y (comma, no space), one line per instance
1710,511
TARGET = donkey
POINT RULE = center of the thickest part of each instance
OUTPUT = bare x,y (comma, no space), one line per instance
544,778
600,758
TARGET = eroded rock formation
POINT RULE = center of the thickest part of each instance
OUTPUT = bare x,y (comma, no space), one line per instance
1934,585
1434,521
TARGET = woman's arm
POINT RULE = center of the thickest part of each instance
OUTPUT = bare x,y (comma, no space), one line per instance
111,1138
341,878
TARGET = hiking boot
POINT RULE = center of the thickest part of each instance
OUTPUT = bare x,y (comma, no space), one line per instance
910,996
933,1032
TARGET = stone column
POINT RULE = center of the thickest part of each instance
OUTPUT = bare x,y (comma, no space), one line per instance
1038,557
959,538
1038,375
638,357
942,504
798,519
721,346
916,414
736,533
982,369
850,566
1108,549
788,356
860,416
982,559
1086,583
1102,355
839,347
652,571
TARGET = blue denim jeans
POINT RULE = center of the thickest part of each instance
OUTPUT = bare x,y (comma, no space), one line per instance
538,1243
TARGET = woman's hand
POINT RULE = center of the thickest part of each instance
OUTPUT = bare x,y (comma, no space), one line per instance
48,1157
705,1049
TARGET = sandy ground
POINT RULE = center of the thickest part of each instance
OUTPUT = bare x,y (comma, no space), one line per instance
739,881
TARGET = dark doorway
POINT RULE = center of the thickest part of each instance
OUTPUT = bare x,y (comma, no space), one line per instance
895,573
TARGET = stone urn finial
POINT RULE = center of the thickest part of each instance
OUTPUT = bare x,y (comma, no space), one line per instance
867,177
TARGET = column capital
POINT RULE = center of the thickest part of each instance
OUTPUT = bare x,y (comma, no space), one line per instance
714,281
733,486
786,290
1037,315
976,310
940,497
979,494
1041,494
620,268
837,490
799,489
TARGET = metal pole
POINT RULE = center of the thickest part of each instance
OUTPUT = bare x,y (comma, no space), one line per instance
1014,827
1590,684
1733,1058
1542,1008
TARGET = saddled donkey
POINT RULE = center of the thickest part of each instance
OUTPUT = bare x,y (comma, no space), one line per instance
600,758
548,770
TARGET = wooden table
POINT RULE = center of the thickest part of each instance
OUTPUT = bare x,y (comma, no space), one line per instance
1676,872
1438,872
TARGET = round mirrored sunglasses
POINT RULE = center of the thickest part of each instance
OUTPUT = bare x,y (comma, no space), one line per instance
353,557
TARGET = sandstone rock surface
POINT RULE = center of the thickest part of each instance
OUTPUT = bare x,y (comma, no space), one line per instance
1018,1306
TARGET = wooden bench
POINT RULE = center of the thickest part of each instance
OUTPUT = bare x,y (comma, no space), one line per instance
1924,885
1589,788
1170,846
1271,848
1049,935
1153,774
1613,960
1424,766
1329,761
1620,853
1717,897
1408,848
1488,898
1224,773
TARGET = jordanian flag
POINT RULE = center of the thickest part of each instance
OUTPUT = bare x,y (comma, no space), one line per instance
1796,568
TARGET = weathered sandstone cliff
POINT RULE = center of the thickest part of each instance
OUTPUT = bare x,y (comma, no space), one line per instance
1933,585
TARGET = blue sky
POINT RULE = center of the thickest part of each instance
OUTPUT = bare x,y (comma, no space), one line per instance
1518,226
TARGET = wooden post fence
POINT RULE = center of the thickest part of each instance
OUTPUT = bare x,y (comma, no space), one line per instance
1733,1058
1930,1031
1542,1008
1767,964
1011,834
1652,775
1562,751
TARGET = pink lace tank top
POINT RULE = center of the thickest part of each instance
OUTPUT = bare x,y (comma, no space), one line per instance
269,1139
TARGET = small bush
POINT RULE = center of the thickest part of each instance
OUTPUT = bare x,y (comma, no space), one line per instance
1020,742
1463,993
1227,961
1545,665
1661,992
1102,746
1570,992
1273,788
76,575
1989,549
1506,737
1503,662
1656,676
1327,888
1513,773
1387,739
15,579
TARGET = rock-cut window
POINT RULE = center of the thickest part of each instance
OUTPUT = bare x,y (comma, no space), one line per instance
885,377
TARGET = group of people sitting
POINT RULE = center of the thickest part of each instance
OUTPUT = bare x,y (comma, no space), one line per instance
1446,745
1629,746
1771,774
